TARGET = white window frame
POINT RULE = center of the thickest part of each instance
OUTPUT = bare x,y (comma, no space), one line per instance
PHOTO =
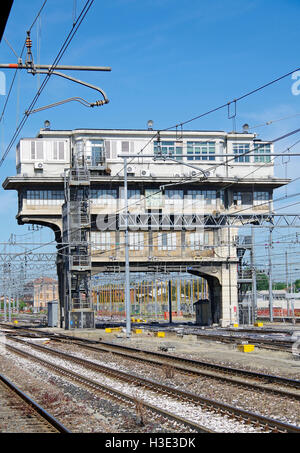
196,240
100,240
174,198
261,198
167,241
241,148
58,150
103,197
202,149
37,151
262,148
208,197
44,197
136,240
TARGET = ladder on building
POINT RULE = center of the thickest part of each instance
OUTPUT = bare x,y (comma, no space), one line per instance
78,306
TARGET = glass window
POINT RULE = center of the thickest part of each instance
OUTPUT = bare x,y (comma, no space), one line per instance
45,197
100,240
201,150
241,148
205,196
133,197
262,149
242,198
136,240
37,150
103,197
222,197
125,147
168,148
166,241
153,198
196,240
261,198
58,150
173,198
97,149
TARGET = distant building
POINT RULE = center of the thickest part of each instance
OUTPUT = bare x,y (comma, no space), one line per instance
45,290
284,303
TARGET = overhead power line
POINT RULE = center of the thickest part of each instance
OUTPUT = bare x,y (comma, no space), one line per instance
20,56
60,54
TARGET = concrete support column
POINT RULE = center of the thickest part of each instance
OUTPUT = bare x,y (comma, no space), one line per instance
229,294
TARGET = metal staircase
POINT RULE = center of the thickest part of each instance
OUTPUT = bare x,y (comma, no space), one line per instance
78,307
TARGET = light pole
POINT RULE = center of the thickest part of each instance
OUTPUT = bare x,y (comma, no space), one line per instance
127,271
270,275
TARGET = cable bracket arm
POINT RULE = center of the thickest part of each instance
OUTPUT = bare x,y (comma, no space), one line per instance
93,87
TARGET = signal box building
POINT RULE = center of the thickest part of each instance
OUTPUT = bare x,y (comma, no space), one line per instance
188,193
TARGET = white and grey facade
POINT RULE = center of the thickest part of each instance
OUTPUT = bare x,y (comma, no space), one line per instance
179,183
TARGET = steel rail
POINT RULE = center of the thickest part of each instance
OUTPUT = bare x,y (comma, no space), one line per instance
191,370
167,390
48,419
120,349
191,362
116,394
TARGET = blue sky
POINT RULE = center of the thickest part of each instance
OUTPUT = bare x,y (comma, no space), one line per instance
170,60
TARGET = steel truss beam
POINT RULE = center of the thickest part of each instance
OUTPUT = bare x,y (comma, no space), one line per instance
194,221
28,258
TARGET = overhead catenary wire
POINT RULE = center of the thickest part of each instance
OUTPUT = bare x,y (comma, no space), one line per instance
60,54
220,107
234,100
19,57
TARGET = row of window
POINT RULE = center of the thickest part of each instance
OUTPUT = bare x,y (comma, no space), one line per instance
198,150
206,151
153,198
102,240
243,150
45,197
37,150
249,198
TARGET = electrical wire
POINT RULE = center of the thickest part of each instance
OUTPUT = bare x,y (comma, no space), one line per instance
60,54
20,56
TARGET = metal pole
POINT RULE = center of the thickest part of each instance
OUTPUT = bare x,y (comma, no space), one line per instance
5,301
270,276
110,301
9,305
170,300
46,66
254,294
178,295
229,280
287,284
127,274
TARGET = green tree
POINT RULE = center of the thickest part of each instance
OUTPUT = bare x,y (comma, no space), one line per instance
279,285
297,283
262,281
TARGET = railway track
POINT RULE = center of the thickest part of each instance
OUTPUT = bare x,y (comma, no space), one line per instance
239,377
230,336
259,422
244,378
20,414
120,397
266,343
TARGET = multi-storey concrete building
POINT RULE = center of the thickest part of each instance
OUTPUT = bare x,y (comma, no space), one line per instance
183,187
